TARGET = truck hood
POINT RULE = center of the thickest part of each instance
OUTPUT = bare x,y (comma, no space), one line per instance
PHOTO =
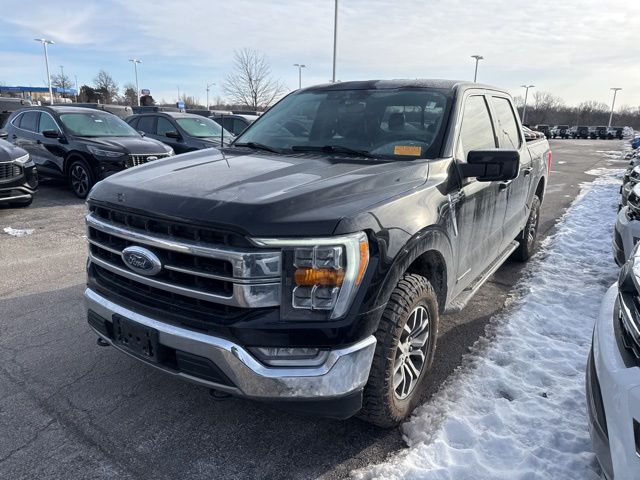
259,194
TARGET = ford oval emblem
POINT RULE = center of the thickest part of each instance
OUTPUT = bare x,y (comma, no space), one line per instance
141,260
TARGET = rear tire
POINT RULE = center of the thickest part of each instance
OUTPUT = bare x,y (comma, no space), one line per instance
80,177
406,344
529,235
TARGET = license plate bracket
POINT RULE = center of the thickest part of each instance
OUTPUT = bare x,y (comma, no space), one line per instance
138,339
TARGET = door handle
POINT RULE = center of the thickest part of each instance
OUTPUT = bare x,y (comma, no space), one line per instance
528,170
504,185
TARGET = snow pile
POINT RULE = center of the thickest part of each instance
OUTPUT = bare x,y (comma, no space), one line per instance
16,232
628,132
516,409
611,154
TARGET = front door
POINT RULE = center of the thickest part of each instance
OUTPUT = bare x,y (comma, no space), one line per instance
480,206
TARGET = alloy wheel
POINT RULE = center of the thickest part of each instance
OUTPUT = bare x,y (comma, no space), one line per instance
411,353
79,180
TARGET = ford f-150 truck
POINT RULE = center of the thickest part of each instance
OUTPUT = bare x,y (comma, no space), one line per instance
308,264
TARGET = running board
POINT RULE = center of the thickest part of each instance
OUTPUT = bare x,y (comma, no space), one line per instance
463,298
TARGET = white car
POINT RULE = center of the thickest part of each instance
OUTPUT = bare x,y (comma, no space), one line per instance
627,229
613,377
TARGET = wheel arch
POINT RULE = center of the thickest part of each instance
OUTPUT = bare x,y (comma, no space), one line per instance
429,254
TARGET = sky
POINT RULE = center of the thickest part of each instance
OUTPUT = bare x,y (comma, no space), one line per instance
575,49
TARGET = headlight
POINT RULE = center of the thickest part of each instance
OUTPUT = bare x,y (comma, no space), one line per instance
98,152
23,159
321,274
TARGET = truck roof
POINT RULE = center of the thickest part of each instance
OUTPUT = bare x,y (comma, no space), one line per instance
452,85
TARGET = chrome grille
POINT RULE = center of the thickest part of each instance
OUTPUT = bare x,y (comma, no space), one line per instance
9,171
630,321
191,268
135,160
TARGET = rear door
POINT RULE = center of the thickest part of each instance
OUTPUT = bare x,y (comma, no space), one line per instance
50,150
480,206
165,125
517,190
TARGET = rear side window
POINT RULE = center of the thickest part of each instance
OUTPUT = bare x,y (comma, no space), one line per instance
238,125
477,131
134,123
164,126
29,121
147,124
506,125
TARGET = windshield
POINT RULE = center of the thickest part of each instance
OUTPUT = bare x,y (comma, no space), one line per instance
96,124
385,123
202,127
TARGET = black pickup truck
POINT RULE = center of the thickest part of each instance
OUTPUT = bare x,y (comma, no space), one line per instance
309,263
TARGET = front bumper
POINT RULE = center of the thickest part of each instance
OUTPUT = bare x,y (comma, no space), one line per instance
626,234
20,188
619,383
229,367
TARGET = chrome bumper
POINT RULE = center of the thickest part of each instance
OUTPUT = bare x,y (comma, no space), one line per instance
345,371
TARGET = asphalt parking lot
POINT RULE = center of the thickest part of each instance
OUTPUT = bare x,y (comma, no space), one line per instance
70,409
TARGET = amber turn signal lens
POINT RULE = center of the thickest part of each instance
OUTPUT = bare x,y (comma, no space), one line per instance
308,277
364,261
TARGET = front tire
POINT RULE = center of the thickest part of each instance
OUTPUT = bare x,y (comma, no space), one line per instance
529,235
80,177
406,344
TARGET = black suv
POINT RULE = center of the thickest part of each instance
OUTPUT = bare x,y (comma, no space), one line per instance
184,132
236,122
581,131
18,176
80,144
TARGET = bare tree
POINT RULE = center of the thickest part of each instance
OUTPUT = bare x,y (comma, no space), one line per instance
251,82
61,80
106,86
130,95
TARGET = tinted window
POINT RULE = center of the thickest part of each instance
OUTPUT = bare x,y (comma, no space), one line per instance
164,126
133,123
476,132
387,123
146,124
238,125
506,125
47,123
29,121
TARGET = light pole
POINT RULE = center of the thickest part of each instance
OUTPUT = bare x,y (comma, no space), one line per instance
526,95
615,92
44,43
77,91
300,67
208,85
335,40
478,58
135,62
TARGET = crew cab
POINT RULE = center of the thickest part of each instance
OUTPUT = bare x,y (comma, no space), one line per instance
309,263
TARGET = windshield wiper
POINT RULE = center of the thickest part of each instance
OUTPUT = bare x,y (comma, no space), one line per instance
257,146
332,149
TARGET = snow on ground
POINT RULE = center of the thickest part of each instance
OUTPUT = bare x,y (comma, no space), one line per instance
17,232
516,408
611,154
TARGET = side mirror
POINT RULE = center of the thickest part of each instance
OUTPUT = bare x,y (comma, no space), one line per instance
142,134
3,135
51,134
172,134
491,165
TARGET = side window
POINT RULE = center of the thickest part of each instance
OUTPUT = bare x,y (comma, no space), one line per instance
227,124
47,123
476,132
238,125
134,123
164,126
29,121
147,124
506,124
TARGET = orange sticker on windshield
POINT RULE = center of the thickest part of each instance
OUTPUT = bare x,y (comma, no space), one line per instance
407,150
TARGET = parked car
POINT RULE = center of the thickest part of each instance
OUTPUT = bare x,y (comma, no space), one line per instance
560,131
184,132
614,132
235,123
530,135
122,111
544,129
309,263
627,227
613,377
9,105
18,176
80,144
600,132
581,131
